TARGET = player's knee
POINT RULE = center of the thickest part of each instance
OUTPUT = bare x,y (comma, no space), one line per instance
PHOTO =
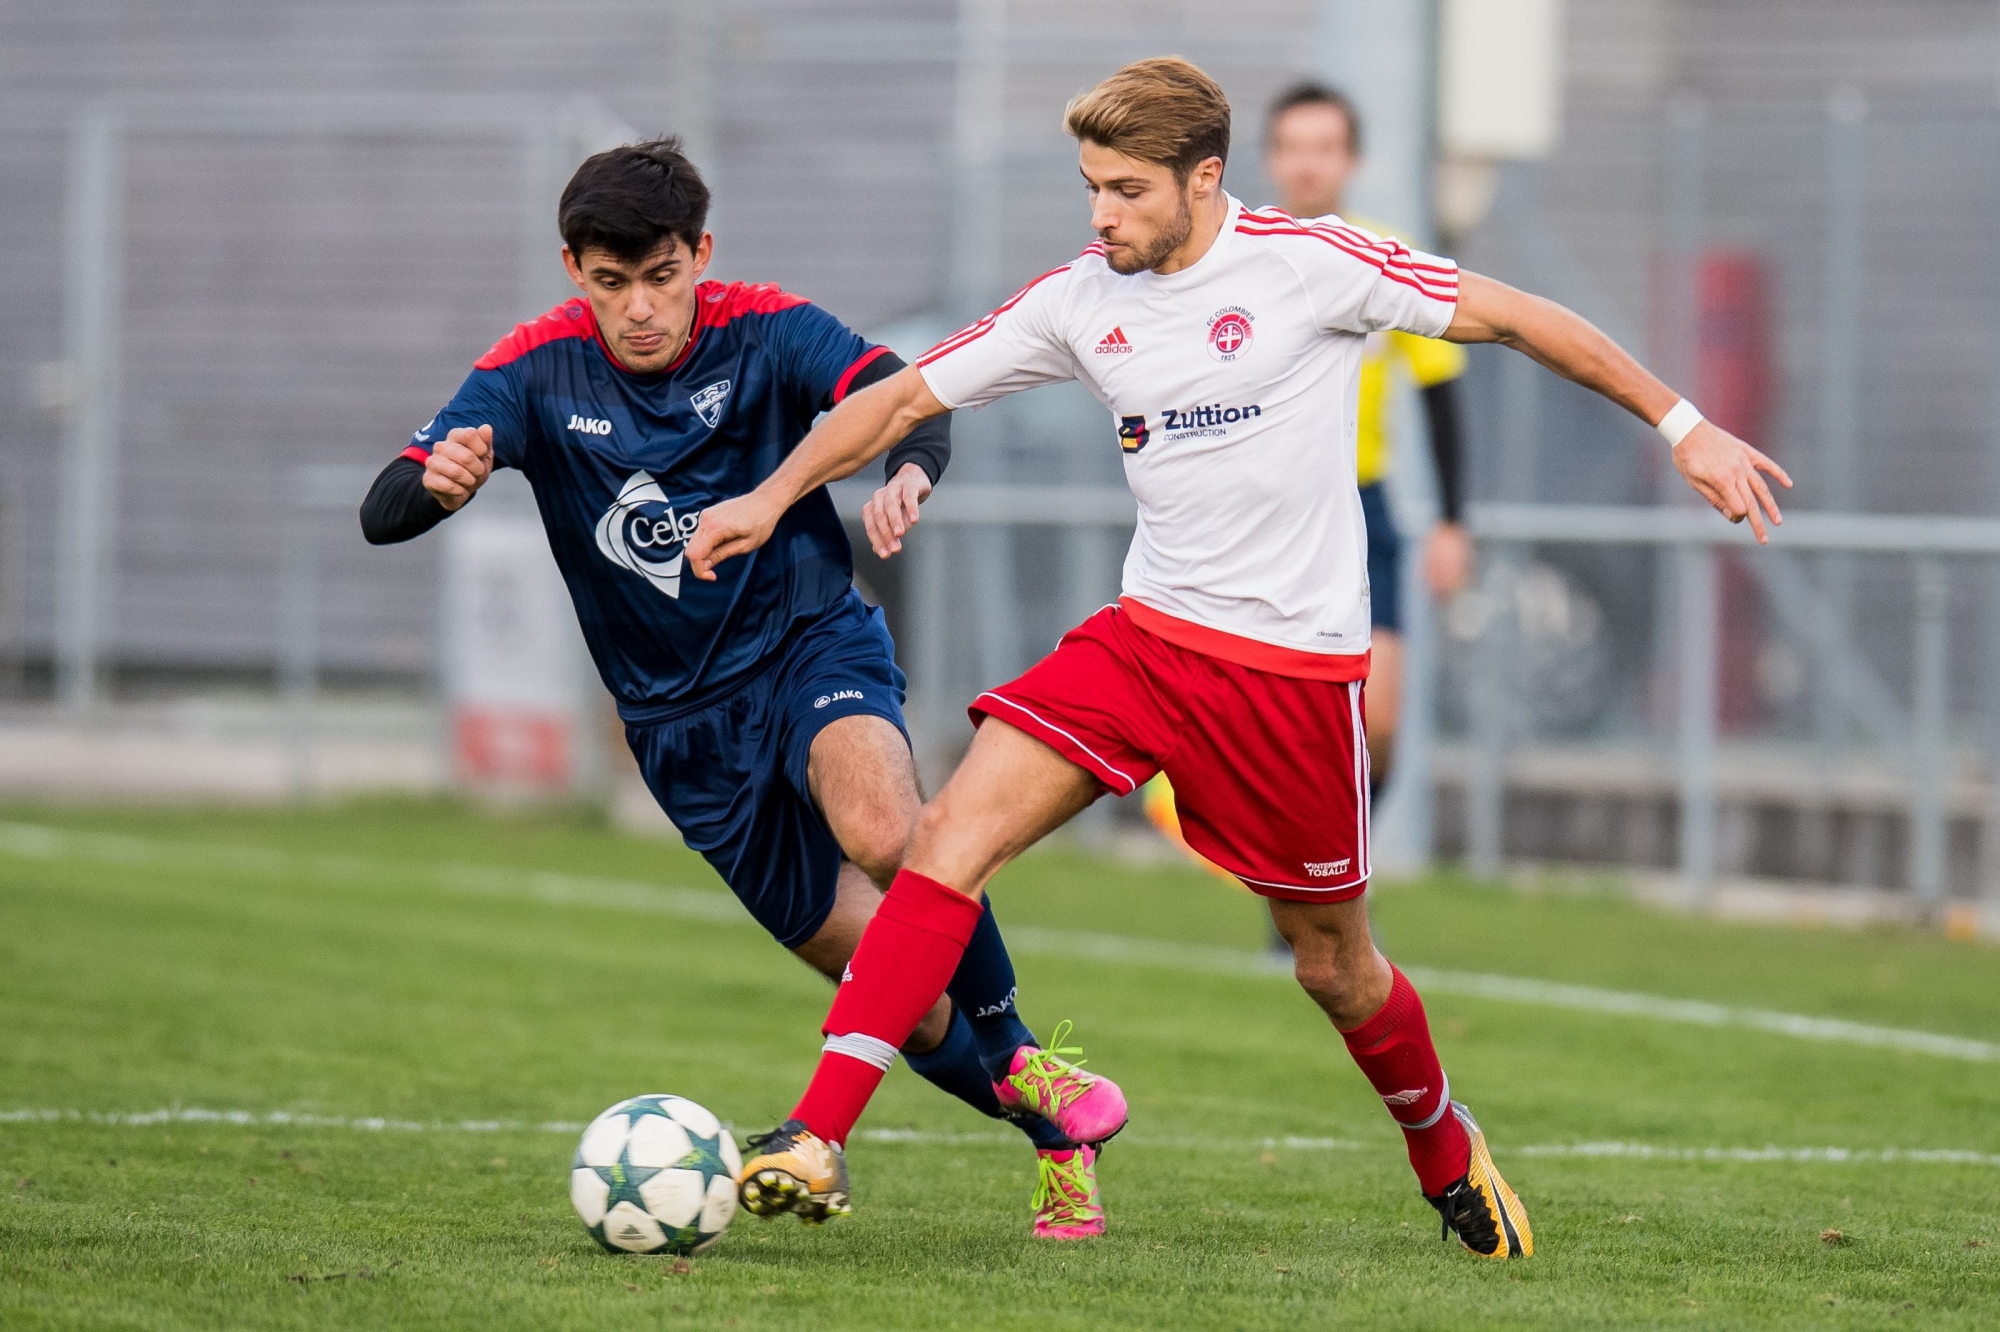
1318,976
1334,987
876,845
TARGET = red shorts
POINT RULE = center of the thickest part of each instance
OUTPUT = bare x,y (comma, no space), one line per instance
1270,772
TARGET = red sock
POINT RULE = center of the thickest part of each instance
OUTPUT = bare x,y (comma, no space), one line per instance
906,957
1394,1049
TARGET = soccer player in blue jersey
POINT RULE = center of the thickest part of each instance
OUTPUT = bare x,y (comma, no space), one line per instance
765,708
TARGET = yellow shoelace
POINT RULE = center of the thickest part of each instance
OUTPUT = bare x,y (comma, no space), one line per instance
1056,1075
1062,1193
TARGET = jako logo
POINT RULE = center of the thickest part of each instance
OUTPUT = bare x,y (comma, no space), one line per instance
1132,433
1326,869
640,529
835,697
588,425
1201,418
1006,1005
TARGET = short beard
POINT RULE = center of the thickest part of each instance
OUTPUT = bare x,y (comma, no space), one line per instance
1169,240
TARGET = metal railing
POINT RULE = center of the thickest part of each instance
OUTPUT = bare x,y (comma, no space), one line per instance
1691,537
1694,537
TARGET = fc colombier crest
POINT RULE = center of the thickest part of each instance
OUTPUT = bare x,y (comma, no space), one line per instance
708,403
1230,332
641,533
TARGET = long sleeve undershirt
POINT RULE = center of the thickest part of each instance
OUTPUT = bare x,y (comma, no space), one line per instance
1447,451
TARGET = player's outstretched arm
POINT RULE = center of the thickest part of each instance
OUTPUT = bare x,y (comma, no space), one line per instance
861,428
1725,471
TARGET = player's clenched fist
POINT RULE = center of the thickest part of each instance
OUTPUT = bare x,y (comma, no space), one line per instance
459,465
733,527
891,511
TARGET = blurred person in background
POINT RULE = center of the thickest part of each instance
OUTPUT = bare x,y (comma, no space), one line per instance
765,712
1312,149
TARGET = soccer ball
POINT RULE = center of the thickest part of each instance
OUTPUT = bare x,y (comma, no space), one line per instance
655,1174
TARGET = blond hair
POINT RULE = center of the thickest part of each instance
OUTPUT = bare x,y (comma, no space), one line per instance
1163,110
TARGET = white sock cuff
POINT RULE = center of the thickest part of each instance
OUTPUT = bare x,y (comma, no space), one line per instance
867,1049
1444,1108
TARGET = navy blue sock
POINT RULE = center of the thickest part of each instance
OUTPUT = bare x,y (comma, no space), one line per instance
955,1067
983,989
982,995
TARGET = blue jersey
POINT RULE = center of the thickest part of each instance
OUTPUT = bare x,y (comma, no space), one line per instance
622,465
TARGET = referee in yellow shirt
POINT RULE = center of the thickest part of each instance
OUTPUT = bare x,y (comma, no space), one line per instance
1312,148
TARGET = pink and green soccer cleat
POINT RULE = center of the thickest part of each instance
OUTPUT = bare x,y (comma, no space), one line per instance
1066,1202
1084,1107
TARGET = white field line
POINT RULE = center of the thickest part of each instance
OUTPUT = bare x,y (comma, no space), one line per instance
35,842
280,1119
927,1137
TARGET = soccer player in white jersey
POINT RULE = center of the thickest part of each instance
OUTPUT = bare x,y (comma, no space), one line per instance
1224,341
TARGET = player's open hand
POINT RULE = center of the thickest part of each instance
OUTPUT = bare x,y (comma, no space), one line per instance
459,465
1730,475
891,511
733,527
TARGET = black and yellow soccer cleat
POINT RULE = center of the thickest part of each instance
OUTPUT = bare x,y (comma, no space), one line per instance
1478,1208
791,1169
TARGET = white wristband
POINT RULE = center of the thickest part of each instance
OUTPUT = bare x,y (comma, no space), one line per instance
1682,417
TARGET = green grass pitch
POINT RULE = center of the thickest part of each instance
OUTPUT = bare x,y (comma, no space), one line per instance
358,962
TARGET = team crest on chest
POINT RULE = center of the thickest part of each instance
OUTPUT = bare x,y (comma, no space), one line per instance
1230,332
708,403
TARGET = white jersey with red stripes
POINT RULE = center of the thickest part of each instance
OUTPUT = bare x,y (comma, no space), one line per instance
1234,387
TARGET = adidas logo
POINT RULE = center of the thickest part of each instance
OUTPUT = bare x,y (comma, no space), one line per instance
1114,343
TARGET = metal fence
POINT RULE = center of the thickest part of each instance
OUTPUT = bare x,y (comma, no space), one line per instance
87,386
1918,733
1863,234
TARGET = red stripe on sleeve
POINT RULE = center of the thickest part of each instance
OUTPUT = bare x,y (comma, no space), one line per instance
417,454
1384,252
1396,270
847,376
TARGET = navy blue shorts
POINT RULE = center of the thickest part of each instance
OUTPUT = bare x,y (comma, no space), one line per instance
1385,560
731,774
